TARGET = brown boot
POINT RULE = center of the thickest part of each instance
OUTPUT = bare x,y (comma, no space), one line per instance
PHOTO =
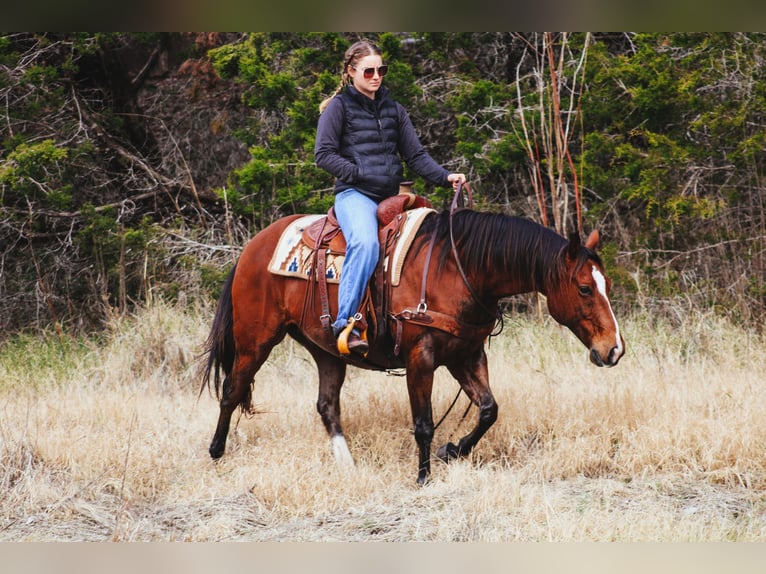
350,340
356,344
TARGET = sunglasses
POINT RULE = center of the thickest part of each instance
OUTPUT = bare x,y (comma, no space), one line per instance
370,72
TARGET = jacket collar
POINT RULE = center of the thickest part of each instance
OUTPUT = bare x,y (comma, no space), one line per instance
380,96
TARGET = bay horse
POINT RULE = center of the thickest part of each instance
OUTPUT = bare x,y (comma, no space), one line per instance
441,314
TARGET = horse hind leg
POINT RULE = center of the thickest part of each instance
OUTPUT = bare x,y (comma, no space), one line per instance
474,380
237,392
332,373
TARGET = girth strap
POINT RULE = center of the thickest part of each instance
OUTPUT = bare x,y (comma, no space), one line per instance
441,321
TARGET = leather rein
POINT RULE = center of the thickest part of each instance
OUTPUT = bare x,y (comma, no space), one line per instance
457,201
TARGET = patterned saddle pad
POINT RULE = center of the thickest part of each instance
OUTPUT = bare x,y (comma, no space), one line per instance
293,258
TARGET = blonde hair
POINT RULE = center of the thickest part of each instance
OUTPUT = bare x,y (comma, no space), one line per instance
355,52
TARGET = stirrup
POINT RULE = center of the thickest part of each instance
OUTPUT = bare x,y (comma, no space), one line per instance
346,332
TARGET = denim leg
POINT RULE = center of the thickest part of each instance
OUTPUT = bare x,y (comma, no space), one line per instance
357,216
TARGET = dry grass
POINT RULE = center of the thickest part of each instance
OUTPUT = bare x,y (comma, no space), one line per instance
108,441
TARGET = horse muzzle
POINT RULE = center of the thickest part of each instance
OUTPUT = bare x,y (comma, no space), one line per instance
612,357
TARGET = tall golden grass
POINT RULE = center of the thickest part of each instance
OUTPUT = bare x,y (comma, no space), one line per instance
106,439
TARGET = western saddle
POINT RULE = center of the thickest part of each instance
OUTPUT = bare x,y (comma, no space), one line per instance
324,237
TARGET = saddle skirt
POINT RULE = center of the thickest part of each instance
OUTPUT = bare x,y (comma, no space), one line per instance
294,253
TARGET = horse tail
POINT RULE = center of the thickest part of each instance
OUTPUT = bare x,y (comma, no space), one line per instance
219,346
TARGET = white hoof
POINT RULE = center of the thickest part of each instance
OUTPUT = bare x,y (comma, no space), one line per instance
342,453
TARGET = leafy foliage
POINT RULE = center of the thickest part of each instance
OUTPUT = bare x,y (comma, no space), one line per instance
131,165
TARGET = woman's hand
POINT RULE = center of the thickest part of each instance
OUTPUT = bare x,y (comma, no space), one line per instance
456,179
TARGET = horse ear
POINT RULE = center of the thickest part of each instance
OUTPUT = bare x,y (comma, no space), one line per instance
573,249
593,239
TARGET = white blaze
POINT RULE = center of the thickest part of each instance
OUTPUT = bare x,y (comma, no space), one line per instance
600,280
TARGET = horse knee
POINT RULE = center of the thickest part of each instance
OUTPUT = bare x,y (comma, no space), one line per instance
424,432
488,413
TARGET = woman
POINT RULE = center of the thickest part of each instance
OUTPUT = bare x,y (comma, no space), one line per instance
362,137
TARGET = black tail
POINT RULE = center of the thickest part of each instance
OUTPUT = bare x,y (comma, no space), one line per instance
219,346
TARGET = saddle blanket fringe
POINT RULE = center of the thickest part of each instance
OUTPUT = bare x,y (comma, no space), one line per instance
293,258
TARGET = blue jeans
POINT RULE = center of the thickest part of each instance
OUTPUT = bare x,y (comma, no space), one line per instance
357,216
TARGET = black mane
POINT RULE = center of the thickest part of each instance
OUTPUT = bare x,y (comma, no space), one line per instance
503,242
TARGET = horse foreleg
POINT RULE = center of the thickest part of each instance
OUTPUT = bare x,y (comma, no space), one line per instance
420,378
332,373
473,377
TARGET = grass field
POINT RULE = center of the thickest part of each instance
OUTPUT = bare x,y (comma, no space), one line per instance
107,440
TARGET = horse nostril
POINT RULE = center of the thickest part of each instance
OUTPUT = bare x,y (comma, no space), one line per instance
595,358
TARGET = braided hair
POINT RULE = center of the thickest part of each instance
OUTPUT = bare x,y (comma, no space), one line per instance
355,52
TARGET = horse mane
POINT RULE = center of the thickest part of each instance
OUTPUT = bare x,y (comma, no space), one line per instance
497,241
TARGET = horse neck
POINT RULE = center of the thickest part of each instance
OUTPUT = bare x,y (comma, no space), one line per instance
502,255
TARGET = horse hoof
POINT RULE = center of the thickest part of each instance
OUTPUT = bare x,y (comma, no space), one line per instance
447,452
215,451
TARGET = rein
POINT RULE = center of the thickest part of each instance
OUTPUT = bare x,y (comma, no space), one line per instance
423,316
457,200
444,416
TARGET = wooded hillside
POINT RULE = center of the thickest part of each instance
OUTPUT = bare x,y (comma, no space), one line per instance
135,165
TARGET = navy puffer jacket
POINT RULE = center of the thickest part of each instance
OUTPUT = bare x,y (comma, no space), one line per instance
362,142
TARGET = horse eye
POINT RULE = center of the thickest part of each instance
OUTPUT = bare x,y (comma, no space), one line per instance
585,290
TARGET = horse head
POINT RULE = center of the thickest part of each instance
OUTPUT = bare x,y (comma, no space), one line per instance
578,297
